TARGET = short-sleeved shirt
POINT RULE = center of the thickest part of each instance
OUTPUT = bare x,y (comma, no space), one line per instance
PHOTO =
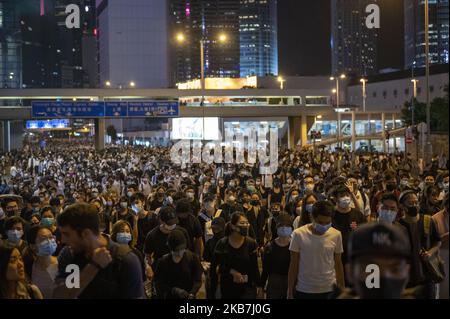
343,221
121,279
145,226
156,242
316,273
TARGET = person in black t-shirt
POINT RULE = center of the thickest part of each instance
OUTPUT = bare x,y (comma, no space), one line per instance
178,275
236,258
424,241
191,224
123,213
276,259
107,270
155,245
230,205
218,229
345,218
146,220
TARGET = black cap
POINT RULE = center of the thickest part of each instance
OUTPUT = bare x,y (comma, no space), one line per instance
176,240
219,222
284,219
379,239
168,216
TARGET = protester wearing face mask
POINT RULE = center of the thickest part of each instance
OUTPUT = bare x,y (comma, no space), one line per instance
316,268
35,203
257,217
424,241
388,210
235,259
11,207
430,203
42,266
156,241
122,234
360,200
231,205
124,213
271,225
276,259
108,270
304,211
292,198
14,228
146,221
158,201
345,218
178,274
392,256
13,282
48,218
207,214
276,195
389,186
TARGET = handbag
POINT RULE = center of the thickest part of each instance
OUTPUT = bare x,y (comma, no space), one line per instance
434,265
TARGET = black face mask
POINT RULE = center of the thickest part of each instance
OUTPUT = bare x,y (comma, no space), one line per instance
243,230
389,289
391,187
412,211
254,202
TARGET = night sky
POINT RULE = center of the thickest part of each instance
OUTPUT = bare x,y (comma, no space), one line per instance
304,28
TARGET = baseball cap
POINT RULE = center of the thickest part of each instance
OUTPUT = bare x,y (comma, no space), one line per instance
168,216
379,239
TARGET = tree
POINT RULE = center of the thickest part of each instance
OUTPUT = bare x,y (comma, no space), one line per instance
438,112
111,131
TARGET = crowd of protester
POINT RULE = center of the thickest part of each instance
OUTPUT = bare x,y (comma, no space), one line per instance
139,226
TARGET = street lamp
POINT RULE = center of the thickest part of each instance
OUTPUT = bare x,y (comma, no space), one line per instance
108,83
336,91
132,84
364,96
281,80
414,81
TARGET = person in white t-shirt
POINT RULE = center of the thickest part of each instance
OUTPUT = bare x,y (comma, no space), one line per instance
316,270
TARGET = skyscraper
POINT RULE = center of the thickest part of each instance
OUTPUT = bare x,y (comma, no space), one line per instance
415,32
353,45
258,37
205,20
133,43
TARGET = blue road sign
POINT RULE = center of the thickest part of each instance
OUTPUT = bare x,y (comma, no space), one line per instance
153,109
116,109
105,109
68,109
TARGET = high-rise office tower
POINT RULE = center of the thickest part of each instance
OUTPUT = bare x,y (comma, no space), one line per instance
205,20
258,37
415,32
353,45
133,43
